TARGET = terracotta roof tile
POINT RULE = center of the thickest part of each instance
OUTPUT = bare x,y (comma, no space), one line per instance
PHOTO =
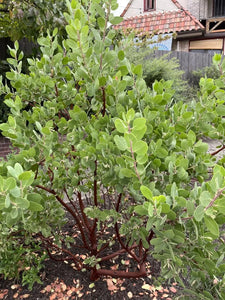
178,20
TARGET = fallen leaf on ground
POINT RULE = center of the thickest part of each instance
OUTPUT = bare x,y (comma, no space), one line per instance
173,290
165,295
160,289
111,285
92,285
25,296
174,283
58,288
155,294
48,288
146,287
63,287
15,296
120,281
70,292
3,293
80,295
115,267
53,296
15,286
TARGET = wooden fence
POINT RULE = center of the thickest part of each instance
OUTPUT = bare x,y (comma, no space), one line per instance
189,61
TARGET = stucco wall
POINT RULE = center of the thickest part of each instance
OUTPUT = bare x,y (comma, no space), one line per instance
165,5
201,9
137,7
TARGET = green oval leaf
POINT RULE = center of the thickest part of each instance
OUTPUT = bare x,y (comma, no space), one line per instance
161,153
14,213
205,198
22,203
34,206
71,32
141,210
10,183
212,226
121,55
121,126
199,213
146,192
140,147
27,178
120,142
220,109
34,197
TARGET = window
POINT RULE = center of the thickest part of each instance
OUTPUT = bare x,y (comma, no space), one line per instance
149,5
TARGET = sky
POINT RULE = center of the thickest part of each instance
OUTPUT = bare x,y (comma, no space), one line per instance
122,5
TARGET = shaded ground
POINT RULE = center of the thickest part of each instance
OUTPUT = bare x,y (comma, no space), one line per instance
214,145
62,282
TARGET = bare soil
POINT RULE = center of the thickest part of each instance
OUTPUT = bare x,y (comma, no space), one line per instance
62,282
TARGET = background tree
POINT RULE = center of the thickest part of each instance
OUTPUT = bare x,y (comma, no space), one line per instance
159,68
29,18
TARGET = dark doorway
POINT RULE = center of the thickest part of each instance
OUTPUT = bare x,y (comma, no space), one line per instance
219,8
4,42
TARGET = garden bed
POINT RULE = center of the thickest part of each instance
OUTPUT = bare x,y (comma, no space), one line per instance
61,281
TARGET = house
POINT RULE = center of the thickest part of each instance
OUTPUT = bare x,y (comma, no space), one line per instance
199,24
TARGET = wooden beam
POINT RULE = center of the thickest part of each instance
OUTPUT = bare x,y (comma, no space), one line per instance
218,30
216,19
207,25
207,44
215,26
218,22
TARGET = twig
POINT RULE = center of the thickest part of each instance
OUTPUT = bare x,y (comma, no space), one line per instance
70,211
217,151
218,194
71,256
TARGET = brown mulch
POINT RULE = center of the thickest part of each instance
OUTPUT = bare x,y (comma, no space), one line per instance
62,282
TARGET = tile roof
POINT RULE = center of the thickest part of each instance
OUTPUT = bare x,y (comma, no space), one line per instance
162,22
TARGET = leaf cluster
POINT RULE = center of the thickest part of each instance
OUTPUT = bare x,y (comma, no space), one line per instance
19,19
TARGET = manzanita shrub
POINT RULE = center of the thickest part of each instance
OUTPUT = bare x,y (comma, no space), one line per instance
98,147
